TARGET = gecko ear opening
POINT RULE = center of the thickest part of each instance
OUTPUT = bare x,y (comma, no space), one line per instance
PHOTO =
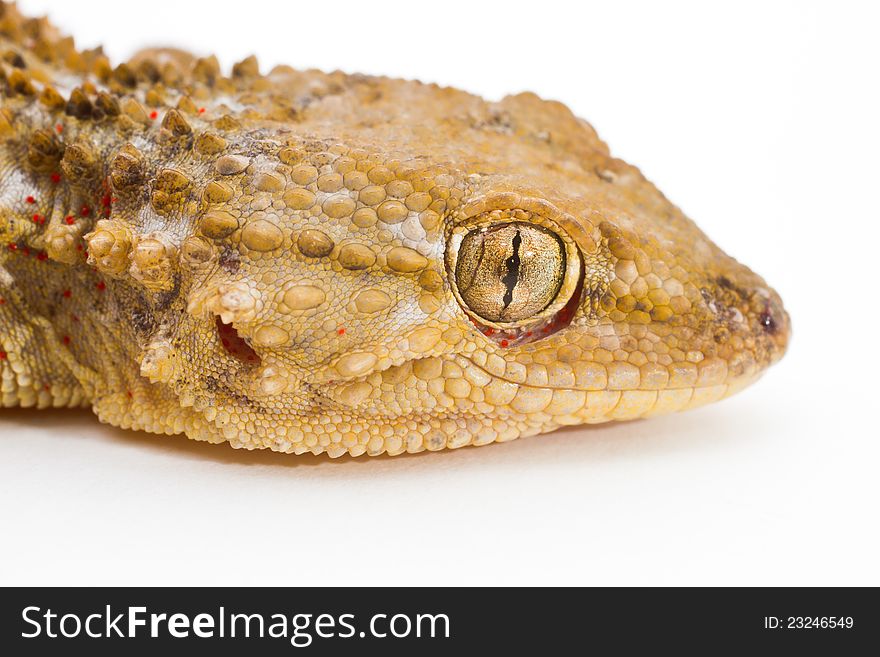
235,345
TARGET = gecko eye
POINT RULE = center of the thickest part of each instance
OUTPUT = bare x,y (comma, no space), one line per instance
509,272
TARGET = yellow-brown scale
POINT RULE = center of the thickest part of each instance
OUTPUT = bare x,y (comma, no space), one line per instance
342,264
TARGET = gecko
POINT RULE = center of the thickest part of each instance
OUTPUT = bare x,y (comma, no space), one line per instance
342,264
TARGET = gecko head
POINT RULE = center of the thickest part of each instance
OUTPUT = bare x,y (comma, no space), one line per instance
347,264
339,299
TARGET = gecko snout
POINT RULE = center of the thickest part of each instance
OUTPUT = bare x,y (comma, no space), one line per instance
775,324
749,320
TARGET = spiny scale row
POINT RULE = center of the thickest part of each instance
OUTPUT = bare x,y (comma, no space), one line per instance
38,37
86,102
147,258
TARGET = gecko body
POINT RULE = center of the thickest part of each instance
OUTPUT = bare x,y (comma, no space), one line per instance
330,263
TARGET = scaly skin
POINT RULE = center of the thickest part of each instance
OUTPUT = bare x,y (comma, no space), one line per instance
283,261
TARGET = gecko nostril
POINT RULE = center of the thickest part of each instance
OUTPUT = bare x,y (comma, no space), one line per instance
236,345
775,321
768,322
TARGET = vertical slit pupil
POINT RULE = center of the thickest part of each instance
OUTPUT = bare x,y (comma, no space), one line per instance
512,275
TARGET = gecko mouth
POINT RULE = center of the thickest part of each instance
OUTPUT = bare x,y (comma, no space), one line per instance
580,383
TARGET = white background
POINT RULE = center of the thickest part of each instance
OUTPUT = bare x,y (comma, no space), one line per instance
759,119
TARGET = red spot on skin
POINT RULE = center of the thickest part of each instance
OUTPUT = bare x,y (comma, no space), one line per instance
46,387
67,294
66,339
30,199
488,331
69,220
340,331
38,219
2,301
201,110
505,343
56,178
42,256
101,286
105,201
13,247
84,211
529,334
128,392
58,127
154,114
2,355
